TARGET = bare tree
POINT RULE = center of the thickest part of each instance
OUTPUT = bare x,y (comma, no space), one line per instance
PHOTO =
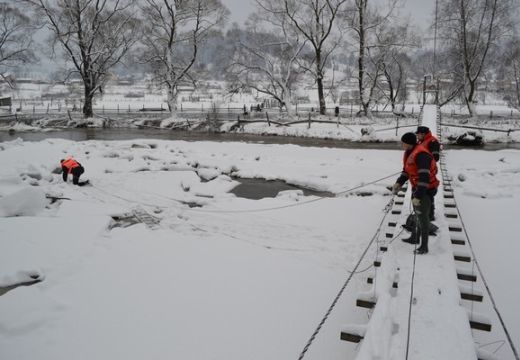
94,35
315,20
173,32
368,24
339,77
15,39
395,71
470,29
393,42
512,72
267,59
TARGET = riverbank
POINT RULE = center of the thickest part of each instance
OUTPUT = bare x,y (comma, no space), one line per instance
82,134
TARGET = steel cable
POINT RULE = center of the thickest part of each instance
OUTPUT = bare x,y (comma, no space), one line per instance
354,271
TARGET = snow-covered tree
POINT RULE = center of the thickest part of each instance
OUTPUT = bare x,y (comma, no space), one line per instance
470,30
266,59
316,22
393,44
374,38
173,33
512,72
94,36
15,39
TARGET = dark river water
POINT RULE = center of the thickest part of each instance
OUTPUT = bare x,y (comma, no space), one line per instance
132,134
82,134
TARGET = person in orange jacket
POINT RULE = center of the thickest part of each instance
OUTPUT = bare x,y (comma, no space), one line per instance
432,144
71,166
419,168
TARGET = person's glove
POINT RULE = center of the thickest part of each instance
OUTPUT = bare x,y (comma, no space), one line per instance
395,188
416,202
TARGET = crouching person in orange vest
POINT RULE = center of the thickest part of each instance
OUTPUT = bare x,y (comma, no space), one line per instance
71,166
419,168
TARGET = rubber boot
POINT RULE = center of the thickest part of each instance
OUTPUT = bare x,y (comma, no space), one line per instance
413,239
421,251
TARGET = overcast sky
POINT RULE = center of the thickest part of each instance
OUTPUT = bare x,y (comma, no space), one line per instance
421,11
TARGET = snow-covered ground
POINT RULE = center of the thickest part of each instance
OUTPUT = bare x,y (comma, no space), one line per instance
233,279
487,189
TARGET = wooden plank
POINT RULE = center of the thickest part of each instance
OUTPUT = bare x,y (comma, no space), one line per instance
479,326
365,304
451,216
383,248
389,235
471,297
467,277
448,205
396,212
370,280
455,228
350,337
392,224
458,242
377,263
462,258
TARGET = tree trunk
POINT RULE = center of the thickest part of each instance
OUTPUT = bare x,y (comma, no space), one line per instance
289,106
470,96
321,96
172,99
361,58
393,95
87,106
517,85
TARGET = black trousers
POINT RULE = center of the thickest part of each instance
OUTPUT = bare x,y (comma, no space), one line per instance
423,221
76,173
431,194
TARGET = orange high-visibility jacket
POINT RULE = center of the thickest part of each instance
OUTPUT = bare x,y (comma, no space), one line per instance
428,138
410,167
70,164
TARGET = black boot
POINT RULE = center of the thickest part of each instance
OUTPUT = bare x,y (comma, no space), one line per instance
412,239
433,229
423,249
420,250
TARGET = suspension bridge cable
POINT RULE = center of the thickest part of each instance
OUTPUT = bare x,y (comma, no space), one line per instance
411,297
354,271
502,323
297,204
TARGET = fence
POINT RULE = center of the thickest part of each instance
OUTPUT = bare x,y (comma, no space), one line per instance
493,114
508,131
